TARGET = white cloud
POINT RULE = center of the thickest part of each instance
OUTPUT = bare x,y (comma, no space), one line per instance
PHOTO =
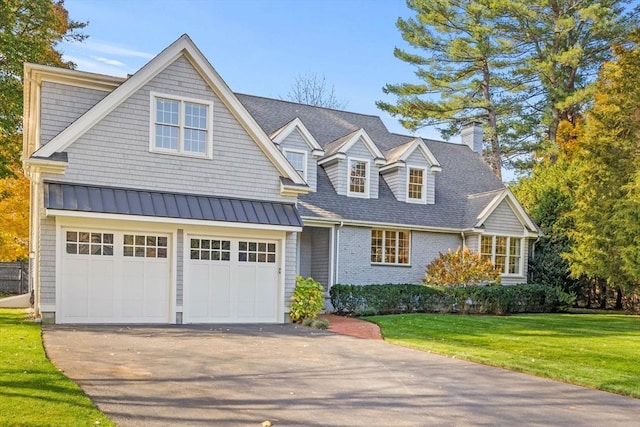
93,66
108,61
113,49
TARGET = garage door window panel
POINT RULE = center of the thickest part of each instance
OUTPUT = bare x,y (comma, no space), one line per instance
210,249
145,246
256,252
89,243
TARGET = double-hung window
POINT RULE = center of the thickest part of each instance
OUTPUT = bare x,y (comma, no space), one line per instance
416,188
504,252
298,160
181,125
390,247
358,178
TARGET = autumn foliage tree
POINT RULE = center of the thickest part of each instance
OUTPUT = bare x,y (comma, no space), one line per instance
14,209
30,31
461,268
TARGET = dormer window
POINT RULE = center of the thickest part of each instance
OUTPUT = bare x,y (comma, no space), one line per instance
358,178
416,188
181,126
298,160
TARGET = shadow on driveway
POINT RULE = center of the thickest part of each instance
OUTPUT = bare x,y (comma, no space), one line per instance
224,375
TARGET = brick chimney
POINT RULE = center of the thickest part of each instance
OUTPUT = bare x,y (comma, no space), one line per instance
472,136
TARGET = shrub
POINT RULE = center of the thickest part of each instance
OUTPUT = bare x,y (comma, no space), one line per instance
461,268
405,298
307,299
385,299
320,324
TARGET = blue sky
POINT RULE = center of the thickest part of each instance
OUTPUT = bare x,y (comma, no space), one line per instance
257,46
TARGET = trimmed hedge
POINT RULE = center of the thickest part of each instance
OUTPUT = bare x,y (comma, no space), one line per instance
365,300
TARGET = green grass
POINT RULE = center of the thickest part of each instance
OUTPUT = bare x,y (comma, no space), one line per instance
599,351
33,392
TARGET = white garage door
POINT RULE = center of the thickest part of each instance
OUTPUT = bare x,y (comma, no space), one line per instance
231,280
114,277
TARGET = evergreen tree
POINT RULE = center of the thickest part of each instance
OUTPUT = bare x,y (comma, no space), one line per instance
605,174
464,55
521,67
563,44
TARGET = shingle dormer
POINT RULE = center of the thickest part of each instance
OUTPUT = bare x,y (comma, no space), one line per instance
300,148
352,163
410,172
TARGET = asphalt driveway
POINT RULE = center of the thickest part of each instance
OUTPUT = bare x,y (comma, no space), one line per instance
291,376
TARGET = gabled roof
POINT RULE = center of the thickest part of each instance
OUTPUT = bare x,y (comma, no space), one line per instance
340,147
181,47
296,124
463,175
400,154
515,206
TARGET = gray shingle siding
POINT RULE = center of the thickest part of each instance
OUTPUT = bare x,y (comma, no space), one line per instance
503,221
116,150
61,105
47,260
355,257
305,250
393,179
291,261
320,256
337,173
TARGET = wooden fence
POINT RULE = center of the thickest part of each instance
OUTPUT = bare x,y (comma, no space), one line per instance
14,278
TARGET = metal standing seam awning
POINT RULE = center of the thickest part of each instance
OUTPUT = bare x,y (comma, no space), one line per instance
126,201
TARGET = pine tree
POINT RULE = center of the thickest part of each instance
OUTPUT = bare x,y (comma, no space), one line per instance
460,70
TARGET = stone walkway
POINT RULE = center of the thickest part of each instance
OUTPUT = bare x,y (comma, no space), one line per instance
352,327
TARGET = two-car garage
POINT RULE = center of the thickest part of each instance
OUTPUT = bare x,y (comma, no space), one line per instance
137,256
124,276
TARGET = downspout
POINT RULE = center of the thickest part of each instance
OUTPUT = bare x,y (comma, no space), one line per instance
464,241
336,281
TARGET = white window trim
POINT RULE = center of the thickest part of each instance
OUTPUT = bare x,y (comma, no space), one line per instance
508,253
384,232
423,197
208,154
304,153
367,181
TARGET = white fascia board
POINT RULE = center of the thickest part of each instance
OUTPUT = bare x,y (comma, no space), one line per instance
395,165
293,190
418,143
165,220
45,165
329,159
513,204
368,142
282,134
386,225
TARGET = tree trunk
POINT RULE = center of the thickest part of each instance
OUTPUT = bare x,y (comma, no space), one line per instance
618,298
603,294
496,152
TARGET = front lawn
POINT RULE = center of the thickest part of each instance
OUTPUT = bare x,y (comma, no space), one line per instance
595,350
33,392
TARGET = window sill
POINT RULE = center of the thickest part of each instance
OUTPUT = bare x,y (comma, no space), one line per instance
179,154
387,264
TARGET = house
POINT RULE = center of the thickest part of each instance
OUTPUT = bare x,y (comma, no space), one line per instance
165,197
